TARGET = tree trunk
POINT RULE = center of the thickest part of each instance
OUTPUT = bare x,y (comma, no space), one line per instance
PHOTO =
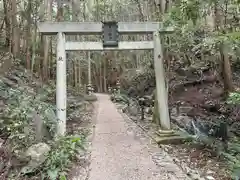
28,36
226,70
140,10
224,57
15,29
7,24
47,17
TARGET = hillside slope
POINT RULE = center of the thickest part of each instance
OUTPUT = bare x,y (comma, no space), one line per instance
28,125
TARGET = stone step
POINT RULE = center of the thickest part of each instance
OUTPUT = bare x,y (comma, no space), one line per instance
174,138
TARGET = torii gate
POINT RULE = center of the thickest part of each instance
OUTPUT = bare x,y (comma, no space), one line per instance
110,32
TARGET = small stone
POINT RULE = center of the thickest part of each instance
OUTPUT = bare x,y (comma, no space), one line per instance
172,139
185,109
176,160
195,176
210,178
188,170
1,142
210,172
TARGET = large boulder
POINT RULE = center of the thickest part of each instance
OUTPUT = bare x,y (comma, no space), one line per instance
38,154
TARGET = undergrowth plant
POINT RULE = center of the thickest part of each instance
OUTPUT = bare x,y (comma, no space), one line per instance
58,160
234,98
63,151
17,118
233,154
17,124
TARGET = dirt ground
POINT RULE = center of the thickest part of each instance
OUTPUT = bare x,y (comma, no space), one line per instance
194,160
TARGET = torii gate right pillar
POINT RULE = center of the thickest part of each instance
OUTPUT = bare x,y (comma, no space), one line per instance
161,88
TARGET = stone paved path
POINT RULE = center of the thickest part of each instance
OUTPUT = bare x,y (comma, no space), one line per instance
119,154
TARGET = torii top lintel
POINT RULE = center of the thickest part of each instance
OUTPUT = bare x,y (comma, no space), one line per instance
91,28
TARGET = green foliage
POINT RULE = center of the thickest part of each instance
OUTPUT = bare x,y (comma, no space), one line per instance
193,38
190,10
232,158
63,151
17,124
197,39
17,118
185,10
233,155
234,98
